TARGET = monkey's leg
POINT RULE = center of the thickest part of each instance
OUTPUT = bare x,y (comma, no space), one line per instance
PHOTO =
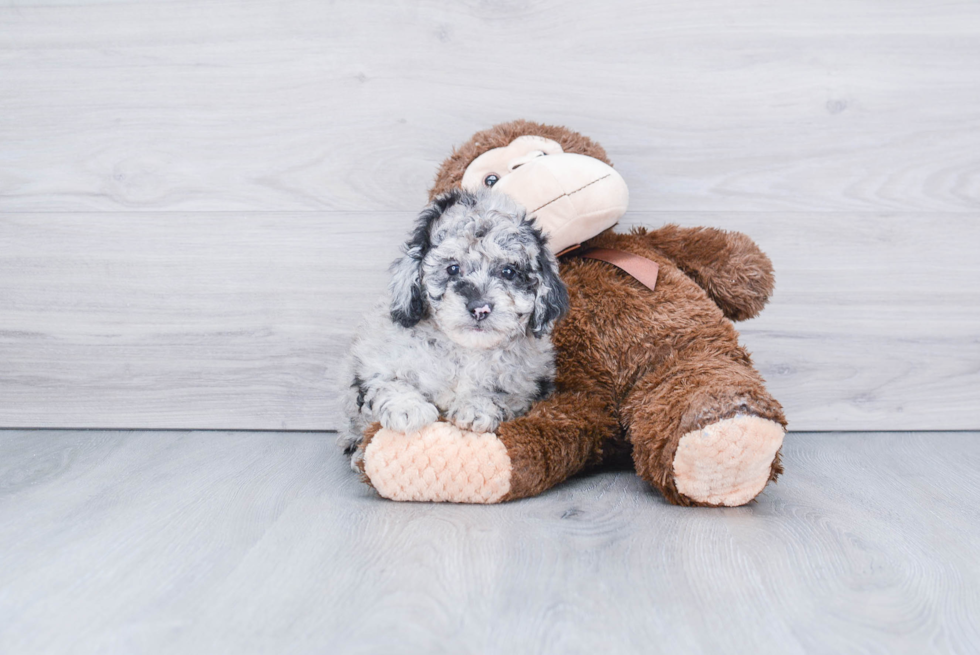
557,438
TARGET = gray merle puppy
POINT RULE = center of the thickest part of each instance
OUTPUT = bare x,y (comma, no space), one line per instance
464,330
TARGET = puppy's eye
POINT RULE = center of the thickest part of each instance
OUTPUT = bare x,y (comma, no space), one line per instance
491,179
453,270
508,272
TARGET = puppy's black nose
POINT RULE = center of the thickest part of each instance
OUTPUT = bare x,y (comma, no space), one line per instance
479,308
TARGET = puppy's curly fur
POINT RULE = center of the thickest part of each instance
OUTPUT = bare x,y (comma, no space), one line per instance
464,330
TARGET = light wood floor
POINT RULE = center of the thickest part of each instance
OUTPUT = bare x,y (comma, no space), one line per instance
242,542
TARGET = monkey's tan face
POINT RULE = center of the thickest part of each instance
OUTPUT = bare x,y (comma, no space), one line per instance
573,197
494,165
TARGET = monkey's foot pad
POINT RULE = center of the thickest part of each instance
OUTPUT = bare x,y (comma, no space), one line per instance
440,463
728,462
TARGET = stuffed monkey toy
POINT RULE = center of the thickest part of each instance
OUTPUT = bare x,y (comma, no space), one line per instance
648,360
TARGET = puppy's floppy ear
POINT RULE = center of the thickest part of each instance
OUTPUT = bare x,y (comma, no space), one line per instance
408,305
551,299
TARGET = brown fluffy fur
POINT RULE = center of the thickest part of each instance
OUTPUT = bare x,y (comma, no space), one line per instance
637,369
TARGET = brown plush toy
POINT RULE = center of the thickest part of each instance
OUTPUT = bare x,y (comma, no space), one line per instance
652,368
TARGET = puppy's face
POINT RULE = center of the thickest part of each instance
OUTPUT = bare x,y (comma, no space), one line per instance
479,276
479,269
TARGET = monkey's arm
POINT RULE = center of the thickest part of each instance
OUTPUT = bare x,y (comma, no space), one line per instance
728,265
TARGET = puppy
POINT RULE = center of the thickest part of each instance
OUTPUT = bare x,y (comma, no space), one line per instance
464,330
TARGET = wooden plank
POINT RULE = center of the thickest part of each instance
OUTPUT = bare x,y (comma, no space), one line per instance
183,320
237,321
130,542
303,105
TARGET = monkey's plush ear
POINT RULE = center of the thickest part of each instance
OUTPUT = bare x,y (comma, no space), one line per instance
551,301
408,304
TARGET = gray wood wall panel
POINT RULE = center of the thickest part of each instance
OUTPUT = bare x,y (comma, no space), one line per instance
198,199
308,105
183,320
139,543
211,320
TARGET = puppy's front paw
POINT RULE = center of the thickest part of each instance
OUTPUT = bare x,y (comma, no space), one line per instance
475,418
407,414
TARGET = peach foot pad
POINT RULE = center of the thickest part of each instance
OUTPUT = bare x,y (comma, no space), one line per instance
728,462
440,463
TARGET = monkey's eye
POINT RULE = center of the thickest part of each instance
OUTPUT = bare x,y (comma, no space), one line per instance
491,179
508,272
453,270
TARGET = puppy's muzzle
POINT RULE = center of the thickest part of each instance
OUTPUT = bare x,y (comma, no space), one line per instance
479,308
